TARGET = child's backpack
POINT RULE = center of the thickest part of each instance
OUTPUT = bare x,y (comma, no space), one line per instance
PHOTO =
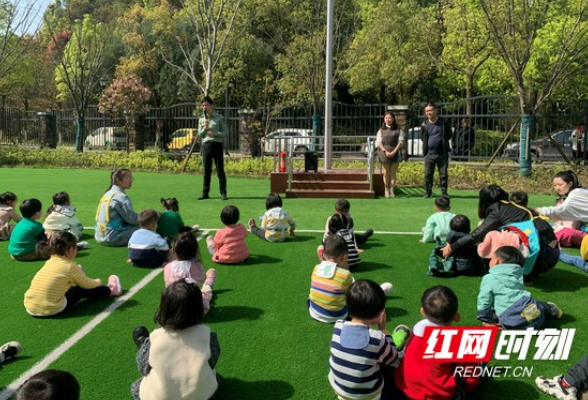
529,237
438,266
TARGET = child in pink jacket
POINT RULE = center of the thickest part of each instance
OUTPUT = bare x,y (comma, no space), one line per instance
228,245
186,265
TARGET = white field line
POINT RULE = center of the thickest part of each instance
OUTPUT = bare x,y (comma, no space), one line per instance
206,230
76,337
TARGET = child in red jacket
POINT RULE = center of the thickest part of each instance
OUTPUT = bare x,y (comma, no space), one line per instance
420,380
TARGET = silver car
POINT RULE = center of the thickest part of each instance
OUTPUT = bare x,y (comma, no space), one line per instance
302,139
543,149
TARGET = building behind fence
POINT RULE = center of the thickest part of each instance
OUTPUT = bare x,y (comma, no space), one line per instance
492,116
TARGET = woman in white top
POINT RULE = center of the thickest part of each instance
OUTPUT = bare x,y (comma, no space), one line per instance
575,204
389,141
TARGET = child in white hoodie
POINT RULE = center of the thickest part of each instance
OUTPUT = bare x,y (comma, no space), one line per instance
61,216
276,224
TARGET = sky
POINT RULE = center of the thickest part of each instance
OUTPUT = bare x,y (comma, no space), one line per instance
38,8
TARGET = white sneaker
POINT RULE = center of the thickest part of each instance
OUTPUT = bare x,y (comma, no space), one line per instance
114,285
82,245
9,350
554,388
387,287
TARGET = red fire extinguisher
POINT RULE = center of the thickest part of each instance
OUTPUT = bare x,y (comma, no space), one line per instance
283,162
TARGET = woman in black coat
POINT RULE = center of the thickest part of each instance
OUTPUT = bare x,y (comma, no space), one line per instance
497,211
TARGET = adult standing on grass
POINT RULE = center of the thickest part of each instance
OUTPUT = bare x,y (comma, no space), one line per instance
389,141
496,211
435,134
212,131
116,220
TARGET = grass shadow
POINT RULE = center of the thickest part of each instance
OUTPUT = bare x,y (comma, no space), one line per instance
275,390
366,266
392,313
370,244
299,238
234,313
488,389
561,280
259,259
89,307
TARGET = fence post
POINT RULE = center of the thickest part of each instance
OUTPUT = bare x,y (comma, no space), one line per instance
525,155
47,132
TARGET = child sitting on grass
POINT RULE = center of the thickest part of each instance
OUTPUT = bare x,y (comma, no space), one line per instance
503,299
361,357
7,214
186,264
228,244
342,206
433,380
61,216
276,224
437,226
170,222
329,282
61,283
338,226
177,360
51,384
28,241
466,259
146,248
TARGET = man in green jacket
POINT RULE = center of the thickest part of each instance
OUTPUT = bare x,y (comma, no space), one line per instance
212,131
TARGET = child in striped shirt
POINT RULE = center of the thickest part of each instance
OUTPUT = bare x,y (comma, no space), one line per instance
61,283
329,282
362,358
337,225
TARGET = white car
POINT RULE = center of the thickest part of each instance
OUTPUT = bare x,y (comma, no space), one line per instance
302,139
107,138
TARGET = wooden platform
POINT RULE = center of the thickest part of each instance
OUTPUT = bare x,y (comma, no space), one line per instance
351,184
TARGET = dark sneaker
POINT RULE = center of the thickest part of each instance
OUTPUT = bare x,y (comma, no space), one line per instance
224,196
9,350
203,197
427,196
368,233
446,195
139,335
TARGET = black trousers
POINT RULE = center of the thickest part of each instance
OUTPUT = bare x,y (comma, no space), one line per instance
213,151
441,162
578,374
76,293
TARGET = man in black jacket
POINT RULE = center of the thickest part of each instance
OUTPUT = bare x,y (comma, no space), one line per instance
435,134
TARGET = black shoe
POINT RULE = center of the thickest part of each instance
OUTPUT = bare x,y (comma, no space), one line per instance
446,195
224,196
368,233
139,335
427,196
203,197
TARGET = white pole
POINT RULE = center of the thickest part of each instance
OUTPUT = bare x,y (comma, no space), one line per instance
329,87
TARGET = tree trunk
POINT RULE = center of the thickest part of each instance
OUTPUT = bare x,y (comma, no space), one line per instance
80,135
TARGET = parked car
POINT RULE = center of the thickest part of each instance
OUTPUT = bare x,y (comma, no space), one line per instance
302,139
543,149
182,139
107,138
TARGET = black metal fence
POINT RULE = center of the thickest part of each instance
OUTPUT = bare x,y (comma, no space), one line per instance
492,117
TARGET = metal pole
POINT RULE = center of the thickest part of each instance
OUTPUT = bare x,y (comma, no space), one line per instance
329,87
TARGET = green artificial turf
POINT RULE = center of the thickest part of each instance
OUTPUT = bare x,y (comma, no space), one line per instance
270,347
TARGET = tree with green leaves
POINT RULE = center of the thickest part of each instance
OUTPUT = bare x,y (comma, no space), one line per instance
391,55
543,44
466,44
79,67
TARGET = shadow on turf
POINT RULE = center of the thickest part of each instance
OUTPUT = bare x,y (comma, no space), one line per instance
561,280
371,244
260,259
231,388
366,266
516,390
407,192
233,313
